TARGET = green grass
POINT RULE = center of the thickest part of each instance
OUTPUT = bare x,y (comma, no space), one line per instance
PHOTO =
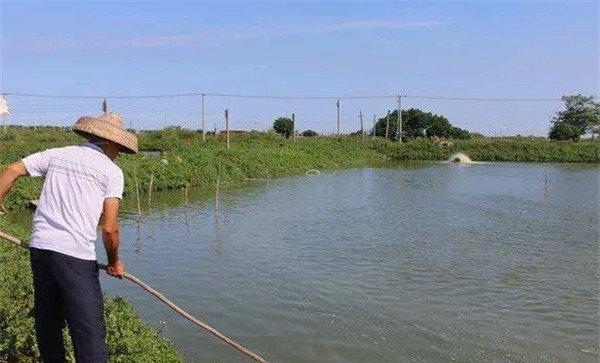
183,159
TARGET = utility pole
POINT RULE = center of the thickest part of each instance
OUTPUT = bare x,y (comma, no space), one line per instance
374,124
294,126
387,125
227,125
104,106
362,129
202,118
4,114
399,129
338,117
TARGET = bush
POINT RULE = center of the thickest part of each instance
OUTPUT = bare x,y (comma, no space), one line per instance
7,135
284,126
309,133
564,131
458,133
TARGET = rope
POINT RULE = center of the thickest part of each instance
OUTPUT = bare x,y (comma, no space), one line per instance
14,240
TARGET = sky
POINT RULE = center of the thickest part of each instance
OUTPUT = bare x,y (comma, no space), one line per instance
475,49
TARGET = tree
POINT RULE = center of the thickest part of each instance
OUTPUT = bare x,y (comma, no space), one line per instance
309,133
284,126
581,112
418,123
564,131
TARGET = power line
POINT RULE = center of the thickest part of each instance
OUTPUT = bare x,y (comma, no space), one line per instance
283,97
37,95
290,97
484,99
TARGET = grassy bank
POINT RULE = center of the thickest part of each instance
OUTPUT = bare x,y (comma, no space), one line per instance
179,158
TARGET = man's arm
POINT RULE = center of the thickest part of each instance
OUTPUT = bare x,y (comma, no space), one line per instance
8,177
112,237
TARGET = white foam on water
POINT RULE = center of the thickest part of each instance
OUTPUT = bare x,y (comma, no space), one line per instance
460,158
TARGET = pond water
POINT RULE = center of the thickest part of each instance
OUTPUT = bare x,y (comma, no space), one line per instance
493,262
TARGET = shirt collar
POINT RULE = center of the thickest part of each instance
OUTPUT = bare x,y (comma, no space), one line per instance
93,146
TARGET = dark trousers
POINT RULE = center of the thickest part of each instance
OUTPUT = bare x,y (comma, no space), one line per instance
68,289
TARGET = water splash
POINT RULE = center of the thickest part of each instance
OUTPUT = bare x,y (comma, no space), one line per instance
460,158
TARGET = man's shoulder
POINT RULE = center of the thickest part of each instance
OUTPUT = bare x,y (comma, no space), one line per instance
62,150
117,170
112,169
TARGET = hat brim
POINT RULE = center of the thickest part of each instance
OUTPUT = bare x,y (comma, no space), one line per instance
90,126
88,135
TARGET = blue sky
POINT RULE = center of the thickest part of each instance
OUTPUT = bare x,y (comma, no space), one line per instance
453,49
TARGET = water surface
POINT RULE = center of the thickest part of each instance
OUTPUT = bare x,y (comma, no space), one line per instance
495,262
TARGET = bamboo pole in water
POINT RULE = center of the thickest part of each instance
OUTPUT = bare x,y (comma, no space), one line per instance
169,303
217,202
150,186
137,195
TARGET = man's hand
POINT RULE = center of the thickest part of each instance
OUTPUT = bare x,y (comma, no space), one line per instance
116,270
112,237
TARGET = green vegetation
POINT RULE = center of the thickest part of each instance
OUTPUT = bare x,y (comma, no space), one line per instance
309,133
417,123
129,338
563,131
284,126
580,116
176,157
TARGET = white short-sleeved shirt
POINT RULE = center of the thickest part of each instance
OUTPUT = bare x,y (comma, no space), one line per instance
78,180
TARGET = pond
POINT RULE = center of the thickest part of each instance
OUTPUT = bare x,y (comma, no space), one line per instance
492,262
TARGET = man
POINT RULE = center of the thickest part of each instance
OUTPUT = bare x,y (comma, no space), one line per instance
82,184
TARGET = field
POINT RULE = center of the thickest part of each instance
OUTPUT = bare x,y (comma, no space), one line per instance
175,158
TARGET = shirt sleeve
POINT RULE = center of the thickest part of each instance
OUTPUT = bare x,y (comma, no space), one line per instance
115,185
37,164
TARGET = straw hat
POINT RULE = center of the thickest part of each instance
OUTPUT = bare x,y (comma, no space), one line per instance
109,126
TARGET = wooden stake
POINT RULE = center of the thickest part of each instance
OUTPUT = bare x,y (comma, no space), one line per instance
362,129
4,117
202,118
185,207
399,128
137,195
387,125
374,124
338,117
150,185
227,126
294,126
217,202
